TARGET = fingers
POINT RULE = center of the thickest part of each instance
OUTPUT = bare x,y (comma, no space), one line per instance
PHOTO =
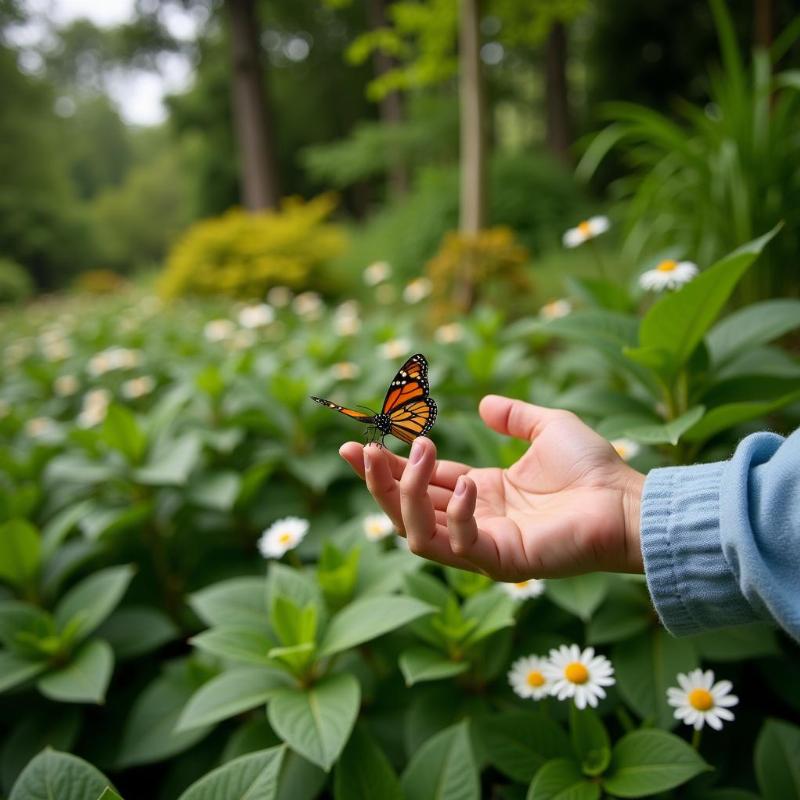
415,504
514,417
382,486
466,539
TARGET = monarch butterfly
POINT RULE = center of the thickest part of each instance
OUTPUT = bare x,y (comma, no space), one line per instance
407,410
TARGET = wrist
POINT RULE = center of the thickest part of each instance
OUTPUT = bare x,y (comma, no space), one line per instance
633,487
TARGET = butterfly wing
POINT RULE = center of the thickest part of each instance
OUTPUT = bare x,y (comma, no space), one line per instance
412,419
360,416
410,383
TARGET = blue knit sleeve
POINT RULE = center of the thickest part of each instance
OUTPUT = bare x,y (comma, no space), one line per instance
721,542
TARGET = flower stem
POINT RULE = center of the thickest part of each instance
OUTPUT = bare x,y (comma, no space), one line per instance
625,719
696,736
599,261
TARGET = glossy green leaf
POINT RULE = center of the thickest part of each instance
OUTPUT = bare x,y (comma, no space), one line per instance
648,762
625,612
367,618
580,595
238,601
84,679
562,779
421,663
20,552
122,432
172,462
15,669
63,776
739,643
777,760
590,740
137,630
316,722
492,609
250,777
363,772
88,603
667,432
109,794
234,691
237,642
443,768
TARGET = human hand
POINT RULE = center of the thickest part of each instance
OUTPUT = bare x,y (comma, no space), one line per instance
570,505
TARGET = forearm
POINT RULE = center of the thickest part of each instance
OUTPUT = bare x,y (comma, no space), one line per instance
721,542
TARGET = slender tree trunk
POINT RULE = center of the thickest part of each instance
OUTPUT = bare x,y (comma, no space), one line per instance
473,145
251,110
392,107
558,133
473,122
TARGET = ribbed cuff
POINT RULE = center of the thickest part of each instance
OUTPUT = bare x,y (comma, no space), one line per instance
692,586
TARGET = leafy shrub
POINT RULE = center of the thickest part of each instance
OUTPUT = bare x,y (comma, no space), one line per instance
99,281
15,283
243,255
487,266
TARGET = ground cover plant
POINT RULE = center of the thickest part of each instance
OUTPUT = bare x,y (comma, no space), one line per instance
198,599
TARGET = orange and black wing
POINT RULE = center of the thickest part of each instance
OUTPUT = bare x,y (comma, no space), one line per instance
414,418
410,383
360,416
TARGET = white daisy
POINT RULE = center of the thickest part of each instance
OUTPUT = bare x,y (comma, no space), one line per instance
528,678
417,290
55,348
40,427
522,590
241,340
95,408
626,448
555,309
395,348
450,333
580,675
256,316
377,526
217,330
586,230
282,536
138,387
66,385
669,274
346,370
377,273
700,700
346,321
279,296
308,305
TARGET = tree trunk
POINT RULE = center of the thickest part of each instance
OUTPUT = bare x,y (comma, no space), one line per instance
556,94
251,111
392,107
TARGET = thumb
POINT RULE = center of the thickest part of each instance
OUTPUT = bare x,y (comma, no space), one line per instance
514,417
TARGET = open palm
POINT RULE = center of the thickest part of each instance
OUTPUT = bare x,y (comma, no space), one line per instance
568,506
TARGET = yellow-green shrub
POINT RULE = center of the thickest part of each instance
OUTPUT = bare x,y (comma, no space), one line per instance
471,267
99,281
243,254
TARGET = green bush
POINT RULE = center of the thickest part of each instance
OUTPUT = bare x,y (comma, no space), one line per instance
15,283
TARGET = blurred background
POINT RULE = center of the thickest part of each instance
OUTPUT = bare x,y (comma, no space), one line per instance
126,123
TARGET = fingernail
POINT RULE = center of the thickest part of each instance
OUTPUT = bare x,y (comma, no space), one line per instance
416,452
461,487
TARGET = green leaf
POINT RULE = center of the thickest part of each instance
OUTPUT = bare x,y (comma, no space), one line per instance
23,627
137,630
562,779
368,618
109,794
667,432
590,740
677,322
172,463
648,762
625,612
444,767
646,666
86,605
217,491
421,663
294,585
363,772
234,691
742,643
752,326
777,760
84,679
466,584
492,610
580,595
20,552
251,777
292,624
15,669
518,743
426,588
121,432
238,601
149,733
237,642
729,415
316,722
59,775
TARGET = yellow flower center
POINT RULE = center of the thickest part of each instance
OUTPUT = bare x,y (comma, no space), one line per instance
667,266
585,228
535,678
521,584
622,451
576,672
285,538
701,699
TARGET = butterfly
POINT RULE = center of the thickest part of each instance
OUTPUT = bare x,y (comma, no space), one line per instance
407,410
